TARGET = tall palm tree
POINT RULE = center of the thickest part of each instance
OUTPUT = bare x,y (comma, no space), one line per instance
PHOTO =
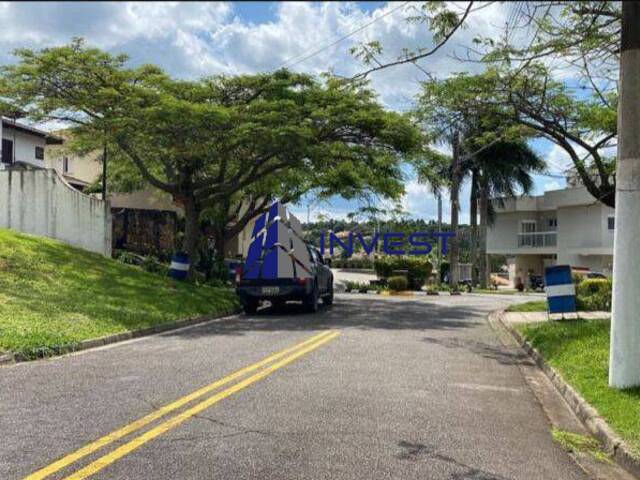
503,169
432,169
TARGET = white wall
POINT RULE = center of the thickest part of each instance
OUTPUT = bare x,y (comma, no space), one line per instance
24,145
40,202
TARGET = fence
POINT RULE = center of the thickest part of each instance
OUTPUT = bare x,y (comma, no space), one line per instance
40,202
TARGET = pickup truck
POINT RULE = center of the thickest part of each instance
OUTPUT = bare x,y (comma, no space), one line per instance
317,284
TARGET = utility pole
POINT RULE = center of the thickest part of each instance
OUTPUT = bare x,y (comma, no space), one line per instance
624,364
454,248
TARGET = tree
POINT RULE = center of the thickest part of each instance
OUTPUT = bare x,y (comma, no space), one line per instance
582,37
502,169
214,142
442,19
432,169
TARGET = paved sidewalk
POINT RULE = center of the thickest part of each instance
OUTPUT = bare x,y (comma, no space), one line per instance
533,317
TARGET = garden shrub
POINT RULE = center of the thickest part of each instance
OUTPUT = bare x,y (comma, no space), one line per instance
359,262
397,283
594,294
153,265
418,269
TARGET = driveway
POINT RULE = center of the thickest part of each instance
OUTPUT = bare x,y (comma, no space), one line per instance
370,388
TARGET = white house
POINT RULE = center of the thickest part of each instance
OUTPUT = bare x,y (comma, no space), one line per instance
564,227
22,145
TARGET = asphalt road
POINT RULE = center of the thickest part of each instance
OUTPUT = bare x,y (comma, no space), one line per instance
397,388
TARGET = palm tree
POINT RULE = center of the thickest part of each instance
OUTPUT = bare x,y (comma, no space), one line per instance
503,169
432,169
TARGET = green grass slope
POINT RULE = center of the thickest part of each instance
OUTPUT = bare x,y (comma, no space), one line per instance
53,295
579,349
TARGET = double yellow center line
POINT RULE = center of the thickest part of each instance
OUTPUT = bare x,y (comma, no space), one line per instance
271,364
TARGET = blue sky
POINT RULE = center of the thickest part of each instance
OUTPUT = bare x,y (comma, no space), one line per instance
198,39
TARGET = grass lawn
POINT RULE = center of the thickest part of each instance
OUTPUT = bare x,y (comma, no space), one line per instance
579,350
533,306
53,295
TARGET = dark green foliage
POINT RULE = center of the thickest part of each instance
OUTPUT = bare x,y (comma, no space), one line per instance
594,294
352,262
418,269
398,283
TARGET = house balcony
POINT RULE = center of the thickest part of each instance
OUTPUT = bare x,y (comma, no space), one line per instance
537,239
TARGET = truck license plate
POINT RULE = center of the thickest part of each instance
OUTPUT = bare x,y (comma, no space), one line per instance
270,290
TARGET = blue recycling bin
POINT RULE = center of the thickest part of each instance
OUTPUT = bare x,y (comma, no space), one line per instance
179,266
560,290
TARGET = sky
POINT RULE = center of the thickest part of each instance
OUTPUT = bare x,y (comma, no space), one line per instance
191,40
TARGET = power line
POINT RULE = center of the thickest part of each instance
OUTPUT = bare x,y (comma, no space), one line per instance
341,39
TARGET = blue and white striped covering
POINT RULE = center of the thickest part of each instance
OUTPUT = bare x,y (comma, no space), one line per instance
561,292
179,266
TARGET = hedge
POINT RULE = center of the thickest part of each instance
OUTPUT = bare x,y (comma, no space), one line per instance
418,269
594,294
397,283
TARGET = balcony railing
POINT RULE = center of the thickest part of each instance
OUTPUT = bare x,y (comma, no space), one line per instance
537,239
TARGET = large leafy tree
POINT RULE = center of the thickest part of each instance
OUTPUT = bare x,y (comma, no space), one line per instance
581,38
213,142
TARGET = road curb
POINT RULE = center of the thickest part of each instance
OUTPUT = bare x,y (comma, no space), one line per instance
120,337
588,415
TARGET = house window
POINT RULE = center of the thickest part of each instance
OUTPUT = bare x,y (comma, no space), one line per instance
611,222
528,226
65,164
7,151
553,223
39,153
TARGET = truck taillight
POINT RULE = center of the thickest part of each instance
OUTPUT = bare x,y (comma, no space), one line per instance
238,273
301,281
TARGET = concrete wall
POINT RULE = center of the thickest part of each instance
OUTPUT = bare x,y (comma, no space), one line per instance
40,202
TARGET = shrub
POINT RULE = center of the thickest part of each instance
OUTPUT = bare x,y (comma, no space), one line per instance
577,278
444,270
398,283
359,262
594,294
418,269
153,265
129,258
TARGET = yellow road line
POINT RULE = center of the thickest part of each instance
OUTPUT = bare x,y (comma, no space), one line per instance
178,419
141,422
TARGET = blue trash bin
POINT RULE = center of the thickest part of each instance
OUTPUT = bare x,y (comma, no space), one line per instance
179,266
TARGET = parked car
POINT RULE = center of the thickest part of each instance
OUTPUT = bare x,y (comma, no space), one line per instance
595,275
278,291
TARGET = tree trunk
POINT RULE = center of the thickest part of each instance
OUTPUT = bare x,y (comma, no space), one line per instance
454,249
484,219
191,230
439,195
625,327
473,219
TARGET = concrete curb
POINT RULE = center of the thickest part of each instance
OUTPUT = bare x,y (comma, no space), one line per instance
588,415
120,337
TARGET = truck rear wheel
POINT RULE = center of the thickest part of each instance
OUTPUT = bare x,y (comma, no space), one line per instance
250,306
311,301
328,298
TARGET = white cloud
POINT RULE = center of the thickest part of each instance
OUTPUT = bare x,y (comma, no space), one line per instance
558,160
197,39
552,185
